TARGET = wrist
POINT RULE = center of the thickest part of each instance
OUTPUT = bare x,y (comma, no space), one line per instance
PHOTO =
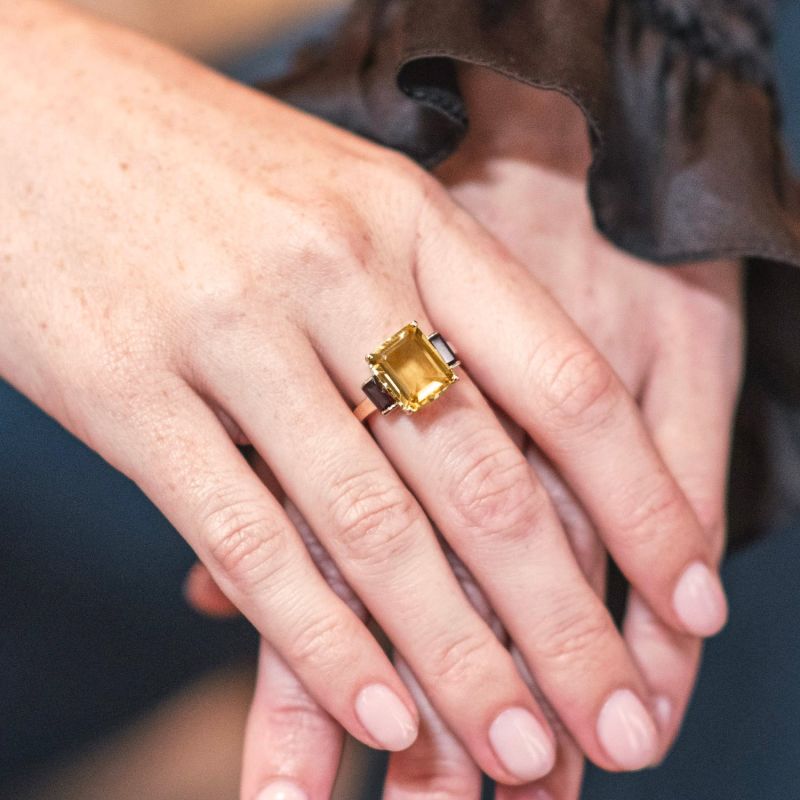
510,119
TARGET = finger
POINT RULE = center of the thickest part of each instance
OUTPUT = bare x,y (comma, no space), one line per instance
203,594
690,397
578,527
669,662
436,765
689,403
564,781
387,551
292,747
526,353
482,495
192,471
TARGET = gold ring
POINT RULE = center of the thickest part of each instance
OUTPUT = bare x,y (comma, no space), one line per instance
409,370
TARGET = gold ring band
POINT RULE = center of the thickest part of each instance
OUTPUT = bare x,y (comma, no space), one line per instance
364,409
409,370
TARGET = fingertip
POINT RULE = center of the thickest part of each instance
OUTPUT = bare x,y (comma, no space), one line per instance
699,600
386,717
522,744
627,731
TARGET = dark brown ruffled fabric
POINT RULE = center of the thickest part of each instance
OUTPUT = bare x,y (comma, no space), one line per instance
680,103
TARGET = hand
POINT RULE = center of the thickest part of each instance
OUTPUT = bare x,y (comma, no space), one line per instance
674,335
178,250
663,330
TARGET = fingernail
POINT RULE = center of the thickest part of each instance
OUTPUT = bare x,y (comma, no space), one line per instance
627,731
386,717
699,600
541,794
282,790
662,708
522,744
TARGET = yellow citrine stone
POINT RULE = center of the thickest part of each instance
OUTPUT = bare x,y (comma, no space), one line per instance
411,369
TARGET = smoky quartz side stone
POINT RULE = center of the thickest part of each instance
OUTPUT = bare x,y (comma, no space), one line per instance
379,396
445,351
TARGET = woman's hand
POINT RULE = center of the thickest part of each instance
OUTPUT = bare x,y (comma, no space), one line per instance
674,335
178,252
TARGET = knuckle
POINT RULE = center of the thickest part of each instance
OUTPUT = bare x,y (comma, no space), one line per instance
495,494
408,176
332,242
245,543
579,388
220,302
372,520
416,194
651,512
463,660
321,644
574,633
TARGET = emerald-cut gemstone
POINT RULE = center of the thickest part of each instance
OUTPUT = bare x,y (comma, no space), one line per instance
410,369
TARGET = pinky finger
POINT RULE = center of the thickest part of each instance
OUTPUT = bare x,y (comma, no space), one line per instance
292,746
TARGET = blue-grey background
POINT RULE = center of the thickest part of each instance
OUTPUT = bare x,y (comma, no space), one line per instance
94,630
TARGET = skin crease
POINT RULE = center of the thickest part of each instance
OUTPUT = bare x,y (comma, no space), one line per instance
158,218
675,337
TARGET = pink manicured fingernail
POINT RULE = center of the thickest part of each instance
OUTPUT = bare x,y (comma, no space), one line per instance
662,708
699,600
522,744
386,717
627,731
282,790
